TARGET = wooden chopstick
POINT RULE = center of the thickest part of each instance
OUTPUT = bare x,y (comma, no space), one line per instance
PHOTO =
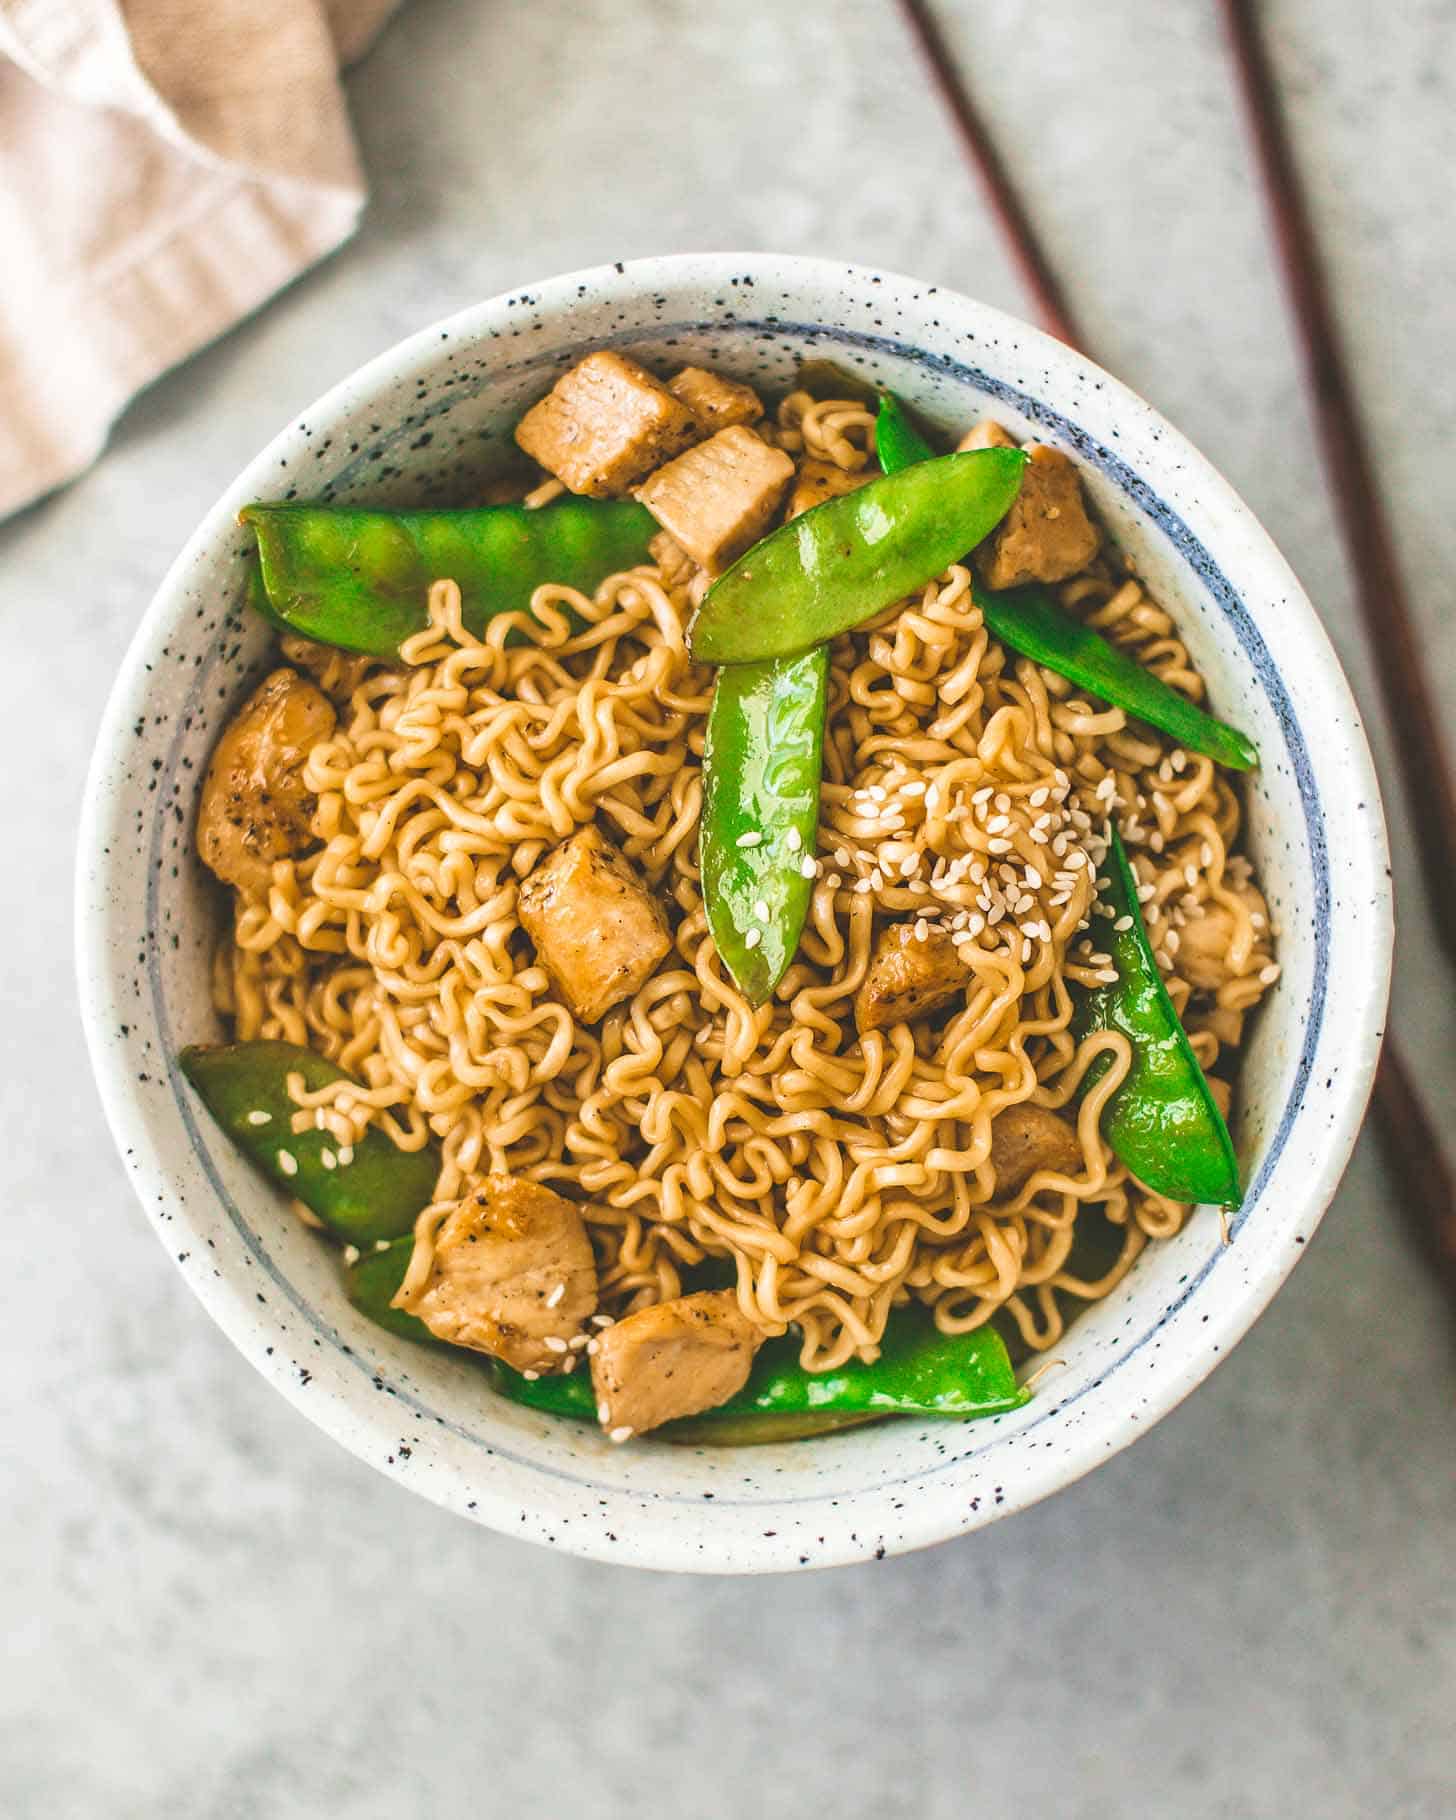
1414,1150
1021,241
1409,704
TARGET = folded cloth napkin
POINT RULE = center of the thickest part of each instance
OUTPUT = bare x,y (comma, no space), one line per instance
167,166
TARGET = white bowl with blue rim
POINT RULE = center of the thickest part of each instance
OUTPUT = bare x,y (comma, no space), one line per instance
423,424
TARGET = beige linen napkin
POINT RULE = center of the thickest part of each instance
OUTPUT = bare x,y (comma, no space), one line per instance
165,167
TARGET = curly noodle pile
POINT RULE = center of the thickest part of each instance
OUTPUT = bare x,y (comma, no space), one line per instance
837,1175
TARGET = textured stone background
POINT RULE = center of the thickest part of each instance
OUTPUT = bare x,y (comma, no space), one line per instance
209,1610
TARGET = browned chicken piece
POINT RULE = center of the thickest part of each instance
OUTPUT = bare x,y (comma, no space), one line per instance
675,563
1047,535
1222,1092
1203,940
675,1359
254,808
987,434
715,402
818,480
1225,1023
907,978
604,425
513,1271
598,931
1025,1138
337,673
721,496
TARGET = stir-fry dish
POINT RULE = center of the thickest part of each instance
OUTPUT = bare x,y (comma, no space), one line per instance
746,939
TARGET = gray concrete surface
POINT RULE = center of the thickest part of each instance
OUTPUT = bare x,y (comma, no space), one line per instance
207,1609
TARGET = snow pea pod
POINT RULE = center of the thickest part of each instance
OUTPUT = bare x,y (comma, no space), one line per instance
1162,1121
371,1281
359,579
1029,620
834,567
375,1194
920,1371
762,756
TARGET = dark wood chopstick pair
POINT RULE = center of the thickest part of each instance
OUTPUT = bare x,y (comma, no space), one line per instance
1415,1152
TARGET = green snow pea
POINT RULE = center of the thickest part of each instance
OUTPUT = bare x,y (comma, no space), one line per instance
920,1371
1162,1120
371,1281
1029,620
359,579
375,1195
762,756
839,564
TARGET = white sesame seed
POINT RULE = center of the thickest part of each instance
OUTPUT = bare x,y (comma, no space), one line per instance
1122,922
751,839
760,909
556,1296
998,824
793,840
603,1413
351,1254
1190,872
260,1118
1144,892
617,1435
593,1347
999,845
381,1244
809,866
530,1376
1268,975
1205,853
578,1340
555,1343
862,886
603,1320
1033,878
288,1162
983,796
841,856
876,793
753,938
328,1159
1155,841
1038,796
346,1155
1172,940
1179,760
914,788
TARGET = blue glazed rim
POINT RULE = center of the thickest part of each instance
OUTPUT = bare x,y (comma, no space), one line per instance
1191,552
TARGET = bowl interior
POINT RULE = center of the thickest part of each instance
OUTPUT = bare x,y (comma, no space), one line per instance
427,424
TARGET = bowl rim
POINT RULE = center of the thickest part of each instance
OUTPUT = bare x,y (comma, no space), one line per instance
931,1520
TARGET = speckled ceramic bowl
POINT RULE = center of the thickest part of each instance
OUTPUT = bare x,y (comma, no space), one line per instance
423,423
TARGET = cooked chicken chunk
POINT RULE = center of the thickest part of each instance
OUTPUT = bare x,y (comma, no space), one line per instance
254,808
721,496
513,1270
1025,1138
987,434
817,481
604,425
715,402
1204,938
597,930
1047,535
675,1359
1222,1093
675,563
338,673
906,978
